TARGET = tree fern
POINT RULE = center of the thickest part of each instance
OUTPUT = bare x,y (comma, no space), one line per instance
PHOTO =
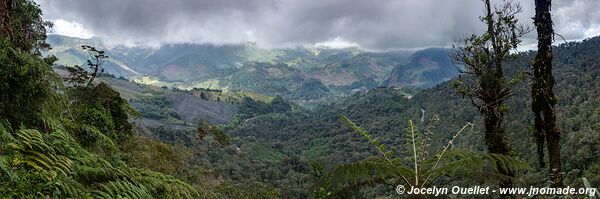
424,170
365,172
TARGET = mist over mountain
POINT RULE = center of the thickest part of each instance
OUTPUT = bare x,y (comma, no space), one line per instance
424,69
288,72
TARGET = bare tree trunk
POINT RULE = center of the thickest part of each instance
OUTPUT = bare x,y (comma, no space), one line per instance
542,92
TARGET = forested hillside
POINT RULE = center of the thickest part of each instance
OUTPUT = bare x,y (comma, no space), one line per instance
282,146
384,112
76,140
87,118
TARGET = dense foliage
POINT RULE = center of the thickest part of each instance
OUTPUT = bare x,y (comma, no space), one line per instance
322,137
422,167
55,165
77,141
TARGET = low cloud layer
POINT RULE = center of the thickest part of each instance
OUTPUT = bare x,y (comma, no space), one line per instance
378,25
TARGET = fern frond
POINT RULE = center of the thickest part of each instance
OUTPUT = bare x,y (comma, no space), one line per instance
450,162
90,175
103,141
378,145
363,172
34,151
69,188
67,170
164,186
5,135
6,169
122,189
465,163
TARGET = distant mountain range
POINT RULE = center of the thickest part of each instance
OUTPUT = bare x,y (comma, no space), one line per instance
293,73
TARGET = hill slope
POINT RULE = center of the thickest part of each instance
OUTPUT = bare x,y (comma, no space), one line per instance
319,135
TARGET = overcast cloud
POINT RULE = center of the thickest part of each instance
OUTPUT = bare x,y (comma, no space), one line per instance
377,25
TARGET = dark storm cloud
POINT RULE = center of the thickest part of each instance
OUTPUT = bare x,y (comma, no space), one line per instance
373,24
379,24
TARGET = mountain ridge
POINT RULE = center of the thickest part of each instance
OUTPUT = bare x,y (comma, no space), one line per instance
188,66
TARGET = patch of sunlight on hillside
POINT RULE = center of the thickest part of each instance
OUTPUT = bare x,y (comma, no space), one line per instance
224,95
69,60
208,84
153,81
252,53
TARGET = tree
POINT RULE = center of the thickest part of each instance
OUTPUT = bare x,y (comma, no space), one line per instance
27,82
279,105
483,79
542,92
79,76
6,6
95,63
22,24
98,105
204,128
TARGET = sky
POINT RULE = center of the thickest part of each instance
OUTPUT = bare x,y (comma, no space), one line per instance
367,24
